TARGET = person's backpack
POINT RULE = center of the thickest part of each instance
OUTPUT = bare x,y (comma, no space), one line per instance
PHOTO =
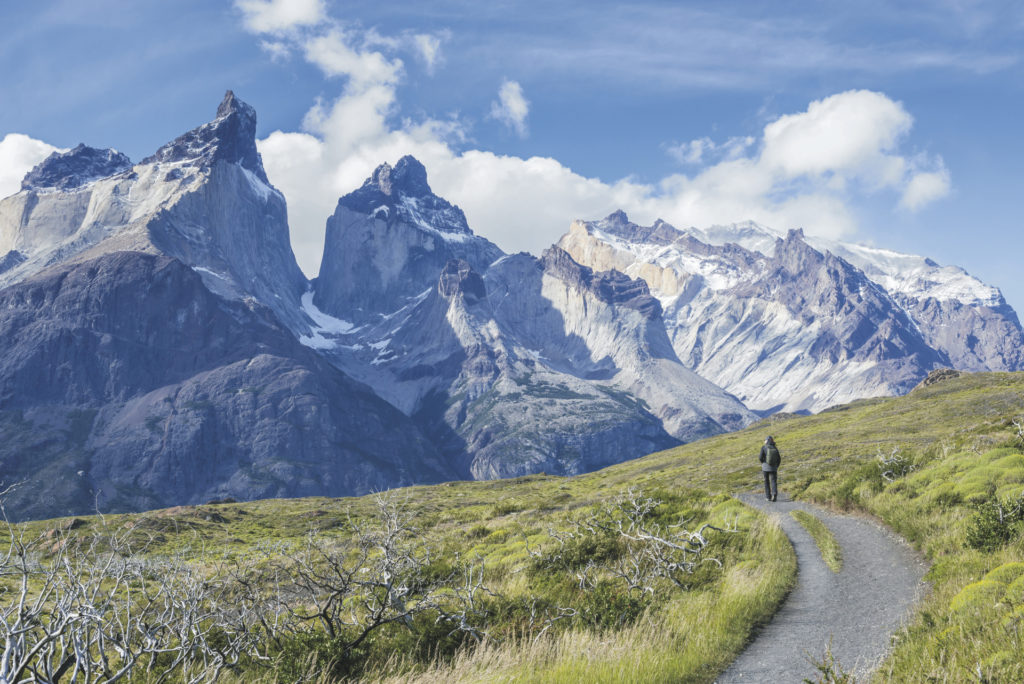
771,455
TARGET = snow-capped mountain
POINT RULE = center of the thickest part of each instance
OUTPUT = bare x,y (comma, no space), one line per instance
528,363
161,345
147,316
957,314
791,323
388,241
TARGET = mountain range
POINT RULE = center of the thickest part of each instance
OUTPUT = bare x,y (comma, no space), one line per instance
162,346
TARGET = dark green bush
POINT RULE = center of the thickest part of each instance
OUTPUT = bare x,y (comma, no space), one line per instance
995,523
610,605
578,551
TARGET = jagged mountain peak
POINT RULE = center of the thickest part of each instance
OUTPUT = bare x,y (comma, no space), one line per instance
617,217
408,177
230,137
232,105
402,193
75,168
617,224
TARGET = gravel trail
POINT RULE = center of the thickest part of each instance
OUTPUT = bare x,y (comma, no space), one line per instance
859,608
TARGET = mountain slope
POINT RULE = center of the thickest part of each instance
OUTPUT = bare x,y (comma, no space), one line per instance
514,363
786,325
149,334
203,198
126,384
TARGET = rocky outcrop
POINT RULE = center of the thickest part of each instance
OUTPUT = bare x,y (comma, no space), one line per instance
126,383
512,363
73,169
10,260
202,198
939,375
798,329
387,241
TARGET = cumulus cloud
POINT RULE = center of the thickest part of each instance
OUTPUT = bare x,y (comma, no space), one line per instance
336,55
511,108
848,133
277,16
805,169
18,154
925,187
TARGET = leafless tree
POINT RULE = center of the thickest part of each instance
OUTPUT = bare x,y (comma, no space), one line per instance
647,550
375,575
895,465
96,608
1018,424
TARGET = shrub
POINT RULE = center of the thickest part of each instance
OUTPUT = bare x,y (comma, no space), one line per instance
895,465
609,605
994,523
1006,573
975,597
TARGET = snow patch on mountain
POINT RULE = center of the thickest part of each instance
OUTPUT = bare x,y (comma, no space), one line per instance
417,217
326,328
914,276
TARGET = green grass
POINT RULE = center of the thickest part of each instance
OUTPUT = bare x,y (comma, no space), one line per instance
831,553
957,435
671,634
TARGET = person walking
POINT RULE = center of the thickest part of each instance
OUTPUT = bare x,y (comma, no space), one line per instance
770,460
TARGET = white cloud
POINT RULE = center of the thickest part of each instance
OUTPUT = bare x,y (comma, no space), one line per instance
512,107
18,154
804,170
691,152
335,54
428,46
278,51
795,176
851,132
278,16
925,187
700,150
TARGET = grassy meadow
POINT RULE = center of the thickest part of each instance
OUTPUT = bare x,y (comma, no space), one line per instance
942,466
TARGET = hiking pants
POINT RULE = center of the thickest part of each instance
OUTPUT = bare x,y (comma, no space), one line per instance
771,484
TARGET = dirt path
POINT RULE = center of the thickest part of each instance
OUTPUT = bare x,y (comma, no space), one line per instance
859,608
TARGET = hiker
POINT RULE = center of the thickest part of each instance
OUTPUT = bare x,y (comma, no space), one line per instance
770,460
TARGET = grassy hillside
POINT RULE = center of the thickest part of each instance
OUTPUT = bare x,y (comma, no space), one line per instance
558,591
951,484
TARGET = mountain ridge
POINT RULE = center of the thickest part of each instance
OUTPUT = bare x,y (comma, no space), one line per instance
827,331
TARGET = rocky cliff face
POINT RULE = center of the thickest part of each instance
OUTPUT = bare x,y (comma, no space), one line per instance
513,364
798,329
387,242
203,198
149,321
126,383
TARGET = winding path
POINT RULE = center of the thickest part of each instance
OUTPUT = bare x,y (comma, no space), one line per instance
859,608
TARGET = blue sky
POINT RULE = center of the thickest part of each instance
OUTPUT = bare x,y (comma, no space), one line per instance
891,123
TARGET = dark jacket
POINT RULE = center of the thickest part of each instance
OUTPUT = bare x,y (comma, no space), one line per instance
763,458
